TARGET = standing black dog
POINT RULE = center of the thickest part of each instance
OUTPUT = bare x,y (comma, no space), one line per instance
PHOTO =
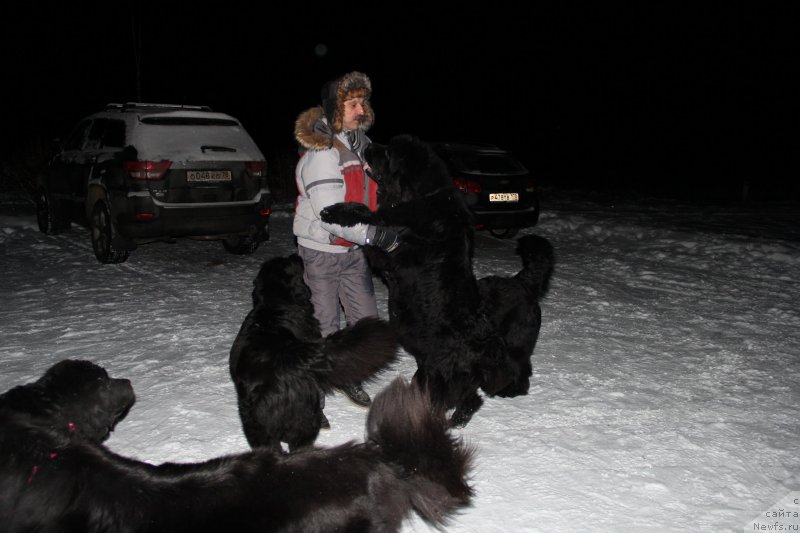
280,363
56,476
434,298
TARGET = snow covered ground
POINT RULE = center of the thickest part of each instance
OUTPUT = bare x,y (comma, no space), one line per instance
666,381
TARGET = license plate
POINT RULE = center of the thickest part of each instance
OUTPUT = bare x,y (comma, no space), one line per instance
504,197
208,175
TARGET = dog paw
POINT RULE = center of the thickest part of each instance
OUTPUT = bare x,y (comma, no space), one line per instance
346,214
460,419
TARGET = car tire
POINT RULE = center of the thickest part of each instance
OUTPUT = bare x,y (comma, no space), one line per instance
240,245
48,216
504,233
103,234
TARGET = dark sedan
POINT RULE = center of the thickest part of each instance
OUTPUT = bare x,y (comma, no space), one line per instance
502,193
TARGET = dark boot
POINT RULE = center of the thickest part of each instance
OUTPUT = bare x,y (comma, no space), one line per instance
357,395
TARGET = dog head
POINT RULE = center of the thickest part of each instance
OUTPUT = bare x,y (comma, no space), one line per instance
280,279
495,369
75,398
405,169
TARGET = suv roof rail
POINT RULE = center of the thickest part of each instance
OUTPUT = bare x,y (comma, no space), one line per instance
146,105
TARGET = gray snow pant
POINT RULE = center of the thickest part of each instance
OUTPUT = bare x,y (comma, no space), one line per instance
336,281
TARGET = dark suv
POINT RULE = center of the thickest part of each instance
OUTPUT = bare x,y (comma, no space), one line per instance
501,192
136,173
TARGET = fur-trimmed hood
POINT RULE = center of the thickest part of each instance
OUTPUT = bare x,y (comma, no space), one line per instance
312,132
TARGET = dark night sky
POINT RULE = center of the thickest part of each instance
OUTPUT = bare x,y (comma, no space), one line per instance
682,91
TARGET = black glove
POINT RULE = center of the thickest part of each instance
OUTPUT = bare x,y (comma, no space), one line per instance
384,238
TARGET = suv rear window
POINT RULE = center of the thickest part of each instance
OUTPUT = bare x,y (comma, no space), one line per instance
188,121
192,138
485,163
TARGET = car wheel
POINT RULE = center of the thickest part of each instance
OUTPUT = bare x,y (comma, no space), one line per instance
50,221
103,236
240,245
504,233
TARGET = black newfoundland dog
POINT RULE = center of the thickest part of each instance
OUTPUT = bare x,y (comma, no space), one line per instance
280,363
512,304
445,317
56,476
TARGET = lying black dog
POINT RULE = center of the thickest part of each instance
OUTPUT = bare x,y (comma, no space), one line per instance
73,401
56,476
280,363
512,304
434,297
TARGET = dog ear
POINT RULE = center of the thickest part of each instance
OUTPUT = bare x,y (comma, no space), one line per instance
495,369
375,156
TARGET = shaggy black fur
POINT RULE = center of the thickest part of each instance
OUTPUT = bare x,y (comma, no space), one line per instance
457,338
58,480
279,362
512,303
73,400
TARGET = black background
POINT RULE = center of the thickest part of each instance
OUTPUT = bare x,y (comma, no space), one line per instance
631,95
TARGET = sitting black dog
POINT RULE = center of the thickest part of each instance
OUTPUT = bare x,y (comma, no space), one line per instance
280,363
512,304
434,299
55,475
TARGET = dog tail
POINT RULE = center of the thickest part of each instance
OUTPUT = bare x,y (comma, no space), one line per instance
413,434
358,353
538,259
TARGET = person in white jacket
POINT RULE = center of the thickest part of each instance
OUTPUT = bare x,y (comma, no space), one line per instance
332,170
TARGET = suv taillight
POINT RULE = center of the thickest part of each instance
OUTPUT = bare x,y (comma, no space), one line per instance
257,169
467,185
147,170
